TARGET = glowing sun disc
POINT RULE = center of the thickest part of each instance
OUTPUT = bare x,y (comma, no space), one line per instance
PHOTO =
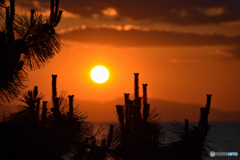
99,74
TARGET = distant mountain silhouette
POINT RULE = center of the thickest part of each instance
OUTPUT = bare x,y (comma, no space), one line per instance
104,111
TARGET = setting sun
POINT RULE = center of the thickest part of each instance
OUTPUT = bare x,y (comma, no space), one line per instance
99,74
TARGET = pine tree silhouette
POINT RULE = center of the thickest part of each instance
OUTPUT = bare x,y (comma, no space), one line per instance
139,134
25,44
140,137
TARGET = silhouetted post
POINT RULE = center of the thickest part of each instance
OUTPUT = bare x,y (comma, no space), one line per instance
136,88
70,105
144,93
146,107
54,87
131,110
110,136
209,96
44,111
11,19
120,115
203,118
203,122
186,127
138,109
126,98
55,110
35,92
137,100
37,108
33,100
186,141
52,12
7,23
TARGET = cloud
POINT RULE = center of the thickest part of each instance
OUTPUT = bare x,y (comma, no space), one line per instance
214,11
110,12
140,38
186,12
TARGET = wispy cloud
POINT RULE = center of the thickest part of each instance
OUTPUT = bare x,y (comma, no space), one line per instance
137,37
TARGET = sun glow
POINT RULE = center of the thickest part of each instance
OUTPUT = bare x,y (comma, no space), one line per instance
99,74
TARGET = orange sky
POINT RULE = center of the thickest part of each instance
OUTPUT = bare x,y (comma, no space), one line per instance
183,51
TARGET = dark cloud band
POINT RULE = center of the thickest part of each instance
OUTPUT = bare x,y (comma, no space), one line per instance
184,12
136,38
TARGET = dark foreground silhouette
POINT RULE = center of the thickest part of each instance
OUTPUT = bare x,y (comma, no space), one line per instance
64,132
26,43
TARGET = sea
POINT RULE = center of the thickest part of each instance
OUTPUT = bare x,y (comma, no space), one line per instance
225,138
